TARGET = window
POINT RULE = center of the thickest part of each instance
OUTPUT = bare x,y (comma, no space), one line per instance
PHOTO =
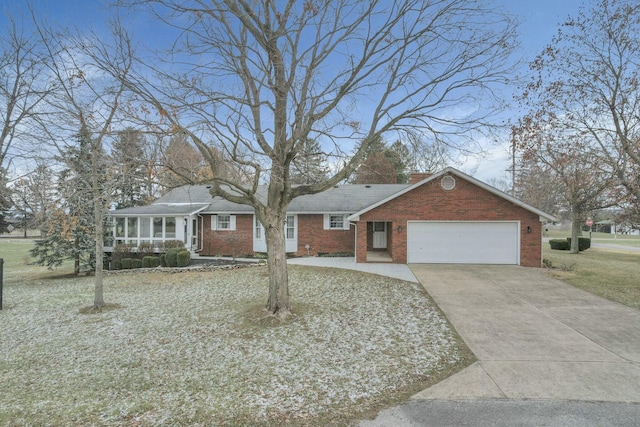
170,227
120,227
132,227
448,182
137,230
223,222
157,227
145,227
335,222
290,227
258,228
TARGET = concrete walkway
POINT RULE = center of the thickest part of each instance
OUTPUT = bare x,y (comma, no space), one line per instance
534,337
397,271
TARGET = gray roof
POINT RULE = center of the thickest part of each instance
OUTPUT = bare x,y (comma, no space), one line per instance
354,199
344,198
190,199
161,210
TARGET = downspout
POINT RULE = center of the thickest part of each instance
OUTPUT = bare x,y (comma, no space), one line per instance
355,245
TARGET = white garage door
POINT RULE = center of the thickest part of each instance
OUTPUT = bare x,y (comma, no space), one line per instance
467,242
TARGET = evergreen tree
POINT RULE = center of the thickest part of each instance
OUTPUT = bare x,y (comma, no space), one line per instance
70,233
384,164
130,169
310,164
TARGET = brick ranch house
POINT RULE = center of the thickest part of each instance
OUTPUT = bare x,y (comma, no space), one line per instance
447,217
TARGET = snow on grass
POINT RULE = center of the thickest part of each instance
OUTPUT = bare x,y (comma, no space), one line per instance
195,349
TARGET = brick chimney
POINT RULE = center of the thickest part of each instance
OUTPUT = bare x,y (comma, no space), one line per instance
419,176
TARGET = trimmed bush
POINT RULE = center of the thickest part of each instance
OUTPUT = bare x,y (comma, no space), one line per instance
183,258
163,260
150,261
116,264
172,257
136,263
127,263
584,243
559,244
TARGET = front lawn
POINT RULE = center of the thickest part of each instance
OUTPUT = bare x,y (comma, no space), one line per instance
611,274
195,349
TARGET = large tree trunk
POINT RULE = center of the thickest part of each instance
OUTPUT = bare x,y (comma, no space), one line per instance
278,303
576,224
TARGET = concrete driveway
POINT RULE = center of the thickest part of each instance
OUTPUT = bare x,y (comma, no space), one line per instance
535,337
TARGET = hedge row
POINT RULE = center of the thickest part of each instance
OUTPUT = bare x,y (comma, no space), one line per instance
127,256
178,257
584,243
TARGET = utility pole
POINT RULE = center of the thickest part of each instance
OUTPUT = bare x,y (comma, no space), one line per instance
513,169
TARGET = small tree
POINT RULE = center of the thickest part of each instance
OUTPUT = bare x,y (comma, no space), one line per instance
89,99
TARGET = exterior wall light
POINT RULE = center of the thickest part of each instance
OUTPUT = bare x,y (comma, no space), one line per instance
528,229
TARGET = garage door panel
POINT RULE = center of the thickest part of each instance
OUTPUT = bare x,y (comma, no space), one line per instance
451,242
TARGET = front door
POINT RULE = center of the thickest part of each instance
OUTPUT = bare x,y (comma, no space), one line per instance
379,235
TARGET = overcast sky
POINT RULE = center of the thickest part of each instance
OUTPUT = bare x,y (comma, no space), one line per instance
539,21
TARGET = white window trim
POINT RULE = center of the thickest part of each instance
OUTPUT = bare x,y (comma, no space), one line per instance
232,223
327,222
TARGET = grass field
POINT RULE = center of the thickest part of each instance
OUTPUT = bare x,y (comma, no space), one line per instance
613,274
195,348
618,239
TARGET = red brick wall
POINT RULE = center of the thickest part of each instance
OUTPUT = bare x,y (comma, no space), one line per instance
311,232
419,176
236,242
466,202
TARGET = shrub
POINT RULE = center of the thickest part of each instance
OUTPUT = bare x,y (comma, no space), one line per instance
163,260
559,244
145,249
172,257
183,258
150,261
127,263
584,243
171,244
136,263
116,264
547,263
121,251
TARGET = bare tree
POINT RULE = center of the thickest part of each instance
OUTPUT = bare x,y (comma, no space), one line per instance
34,197
572,165
263,78
89,100
587,82
23,87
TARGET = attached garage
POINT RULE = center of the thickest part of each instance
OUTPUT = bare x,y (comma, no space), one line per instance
463,242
